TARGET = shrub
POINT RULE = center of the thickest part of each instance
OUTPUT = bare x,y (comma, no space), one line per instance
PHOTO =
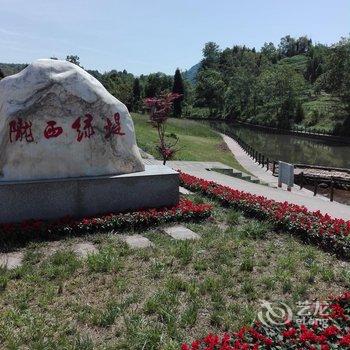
36,229
330,234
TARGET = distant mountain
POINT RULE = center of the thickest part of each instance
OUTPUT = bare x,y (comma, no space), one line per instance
191,74
11,68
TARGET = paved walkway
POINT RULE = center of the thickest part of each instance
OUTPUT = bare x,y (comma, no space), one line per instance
200,169
261,173
248,163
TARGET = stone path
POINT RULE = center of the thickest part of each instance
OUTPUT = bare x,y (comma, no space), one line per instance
180,232
11,260
200,169
137,241
83,249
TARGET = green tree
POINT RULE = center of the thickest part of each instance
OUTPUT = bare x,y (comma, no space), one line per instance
210,90
337,75
96,74
316,60
73,59
120,85
157,83
240,94
303,45
178,88
2,75
270,51
337,78
287,46
279,91
211,54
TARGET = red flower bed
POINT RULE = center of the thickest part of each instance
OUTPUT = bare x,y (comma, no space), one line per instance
331,234
185,210
332,333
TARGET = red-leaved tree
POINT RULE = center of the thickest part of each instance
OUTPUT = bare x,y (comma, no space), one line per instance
159,111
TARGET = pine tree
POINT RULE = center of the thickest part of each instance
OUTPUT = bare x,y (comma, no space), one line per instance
178,88
136,95
2,75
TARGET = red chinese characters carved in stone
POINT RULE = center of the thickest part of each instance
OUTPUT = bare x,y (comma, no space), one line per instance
113,127
87,131
20,130
52,130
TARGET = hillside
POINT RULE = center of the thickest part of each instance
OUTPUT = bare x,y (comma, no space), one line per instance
191,74
297,84
322,111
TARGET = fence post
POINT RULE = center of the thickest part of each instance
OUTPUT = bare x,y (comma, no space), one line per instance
332,190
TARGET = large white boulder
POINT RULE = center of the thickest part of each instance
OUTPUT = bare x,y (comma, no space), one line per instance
58,121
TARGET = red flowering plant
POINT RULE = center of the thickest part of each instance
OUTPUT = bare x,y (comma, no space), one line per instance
330,234
159,109
333,333
184,210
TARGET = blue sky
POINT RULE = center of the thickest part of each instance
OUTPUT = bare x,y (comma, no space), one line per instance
158,35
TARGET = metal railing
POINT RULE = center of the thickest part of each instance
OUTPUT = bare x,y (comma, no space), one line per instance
303,179
315,181
258,157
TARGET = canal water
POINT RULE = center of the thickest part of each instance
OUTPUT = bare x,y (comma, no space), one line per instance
290,148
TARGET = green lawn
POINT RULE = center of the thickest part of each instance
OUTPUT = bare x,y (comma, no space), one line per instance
198,142
155,298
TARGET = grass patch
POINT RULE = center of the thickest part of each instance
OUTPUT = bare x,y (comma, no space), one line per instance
106,260
157,298
254,229
198,142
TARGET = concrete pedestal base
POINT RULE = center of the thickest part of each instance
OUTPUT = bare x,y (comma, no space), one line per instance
157,186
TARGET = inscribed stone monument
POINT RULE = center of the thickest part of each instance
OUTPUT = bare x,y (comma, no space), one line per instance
57,121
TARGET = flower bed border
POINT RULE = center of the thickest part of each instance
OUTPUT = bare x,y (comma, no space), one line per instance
311,334
312,227
37,229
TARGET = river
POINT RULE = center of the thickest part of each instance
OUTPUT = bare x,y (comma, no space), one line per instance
291,148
